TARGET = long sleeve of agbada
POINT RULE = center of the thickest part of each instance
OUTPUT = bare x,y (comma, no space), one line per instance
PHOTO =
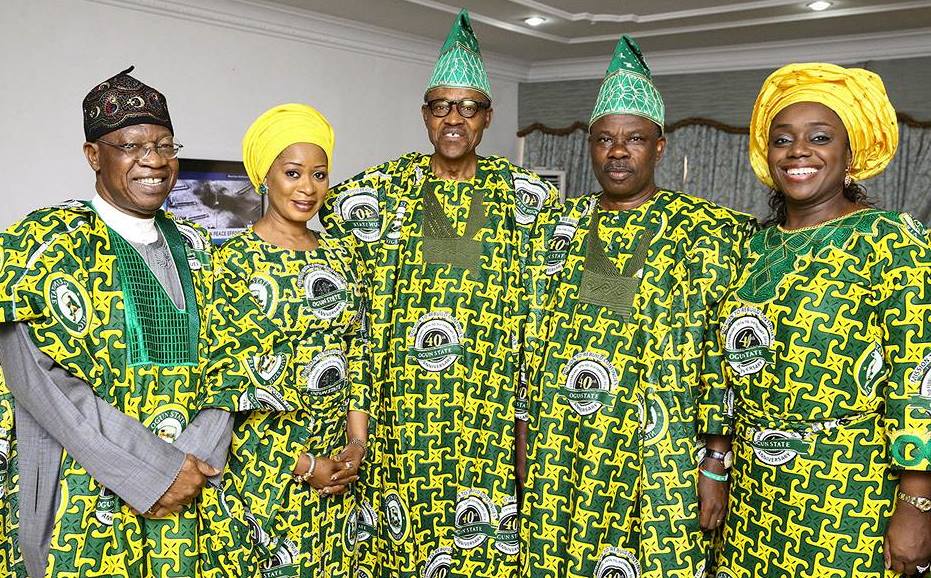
117,450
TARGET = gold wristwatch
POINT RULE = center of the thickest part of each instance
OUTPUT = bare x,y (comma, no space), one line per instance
922,503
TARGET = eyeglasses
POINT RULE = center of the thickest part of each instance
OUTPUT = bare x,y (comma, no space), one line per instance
139,151
467,107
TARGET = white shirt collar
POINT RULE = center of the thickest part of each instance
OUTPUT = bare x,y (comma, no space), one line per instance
133,229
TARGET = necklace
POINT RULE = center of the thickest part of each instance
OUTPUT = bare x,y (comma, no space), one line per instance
822,223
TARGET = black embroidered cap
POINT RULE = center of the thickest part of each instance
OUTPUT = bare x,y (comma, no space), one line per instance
122,101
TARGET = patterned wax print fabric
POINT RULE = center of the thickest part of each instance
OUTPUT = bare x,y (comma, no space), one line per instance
827,340
11,561
614,390
94,306
316,298
446,262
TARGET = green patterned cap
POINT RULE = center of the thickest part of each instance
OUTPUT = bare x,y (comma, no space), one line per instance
628,86
460,64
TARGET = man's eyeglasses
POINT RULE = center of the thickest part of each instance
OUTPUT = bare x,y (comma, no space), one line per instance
467,108
139,151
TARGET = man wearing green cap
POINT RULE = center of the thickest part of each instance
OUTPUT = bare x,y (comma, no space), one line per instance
445,237
616,392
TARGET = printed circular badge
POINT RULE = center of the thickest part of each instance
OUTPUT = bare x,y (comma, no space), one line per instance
325,374
506,538
868,368
261,398
168,422
530,196
360,524
267,369
70,204
476,519
107,505
359,210
4,464
438,564
256,533
617,563
437,341
324,291
393,236
922,376
557,249
69,302
588,380
197,244
654,419
748,335
285,555
915,229
775,447
396,517
265,291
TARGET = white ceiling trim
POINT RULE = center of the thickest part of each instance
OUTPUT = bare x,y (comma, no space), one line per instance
671,31
502,24
839,49
312,28
544,8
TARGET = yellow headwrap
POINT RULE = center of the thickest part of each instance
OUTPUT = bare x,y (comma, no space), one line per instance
277,129
856,95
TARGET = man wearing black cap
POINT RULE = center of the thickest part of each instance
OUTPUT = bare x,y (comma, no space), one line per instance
104,310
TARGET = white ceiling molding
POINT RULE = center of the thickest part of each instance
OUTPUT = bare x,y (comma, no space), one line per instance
277,20
544,8
839,50
674,30
309,27
502,24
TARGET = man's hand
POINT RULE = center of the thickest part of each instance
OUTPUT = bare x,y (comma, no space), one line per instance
908,539
712,496
520,456
187,486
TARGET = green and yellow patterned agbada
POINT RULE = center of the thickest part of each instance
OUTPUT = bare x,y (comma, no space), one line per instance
318,301
446,261
615,386
86,296
827,337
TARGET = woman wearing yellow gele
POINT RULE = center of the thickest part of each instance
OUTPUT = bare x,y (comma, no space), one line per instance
827,342
301,524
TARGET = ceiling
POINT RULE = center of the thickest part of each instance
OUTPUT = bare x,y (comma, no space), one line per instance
579,29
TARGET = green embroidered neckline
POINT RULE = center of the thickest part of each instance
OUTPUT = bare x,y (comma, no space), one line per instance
781,250
441,244
157,332
602,283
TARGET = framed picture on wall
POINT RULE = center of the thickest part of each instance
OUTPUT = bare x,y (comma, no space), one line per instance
216,195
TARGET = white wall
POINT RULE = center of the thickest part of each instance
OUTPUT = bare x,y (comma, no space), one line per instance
217,79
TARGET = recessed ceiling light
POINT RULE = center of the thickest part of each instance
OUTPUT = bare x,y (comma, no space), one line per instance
534,21
819,5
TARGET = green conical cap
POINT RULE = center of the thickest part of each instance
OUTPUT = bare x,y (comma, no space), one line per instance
628,86
460,64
